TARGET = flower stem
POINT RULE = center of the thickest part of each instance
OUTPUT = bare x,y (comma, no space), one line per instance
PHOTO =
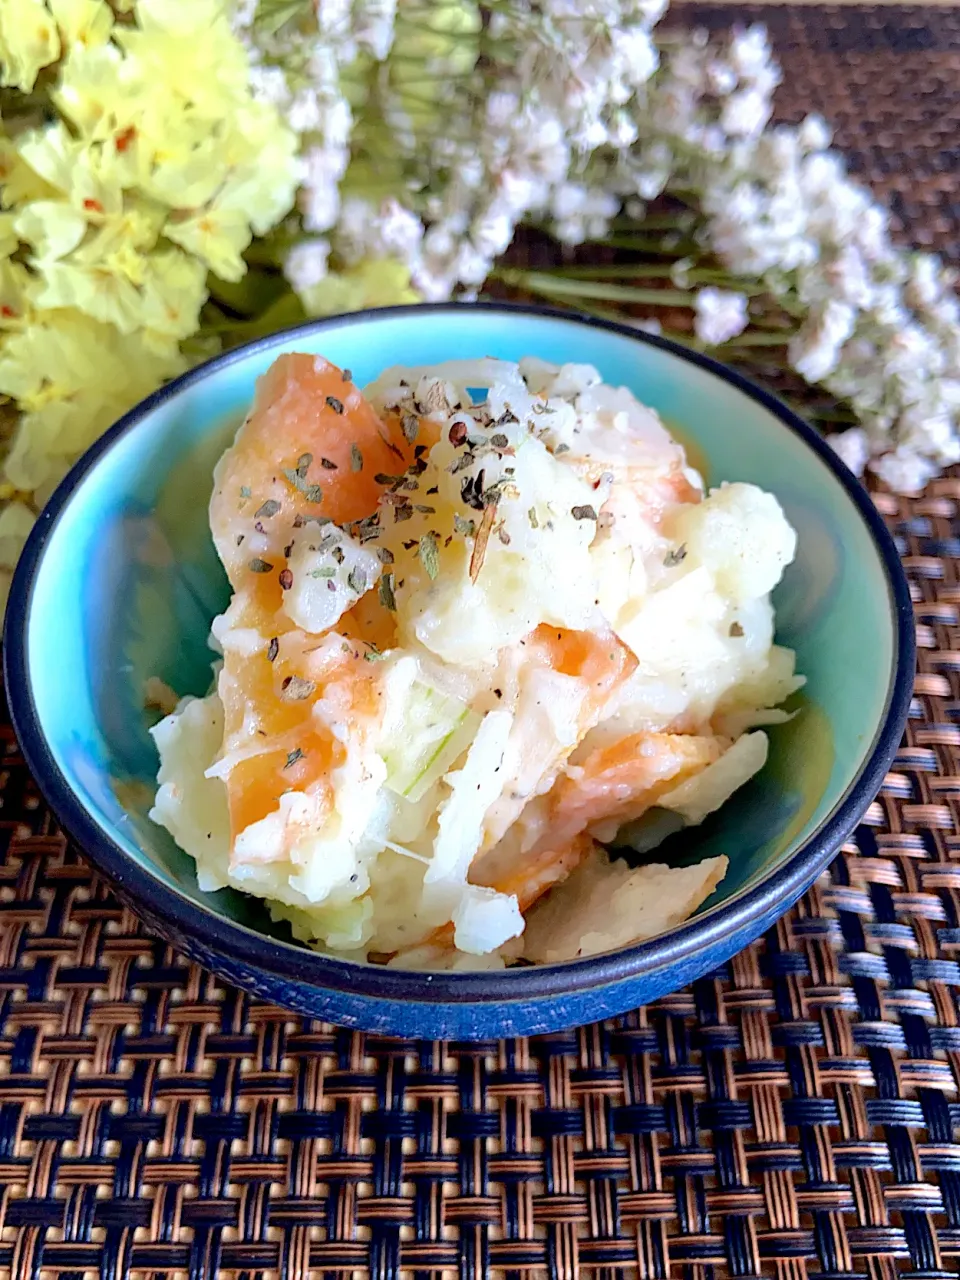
640,243
652,270
557,287
760,338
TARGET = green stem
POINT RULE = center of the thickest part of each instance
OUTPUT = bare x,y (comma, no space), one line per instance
641,270
762,338
618,317
654,222
648,244
553,286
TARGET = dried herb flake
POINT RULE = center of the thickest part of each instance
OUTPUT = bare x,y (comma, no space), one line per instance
387,598
429,555
256,565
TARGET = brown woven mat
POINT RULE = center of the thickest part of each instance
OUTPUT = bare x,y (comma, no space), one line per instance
794,1115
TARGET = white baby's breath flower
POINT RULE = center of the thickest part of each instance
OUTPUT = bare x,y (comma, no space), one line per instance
815,351
241,14
751,56
305,266
814,134
904,471
374,26
852,447
719,315
305,113
746,113
493,231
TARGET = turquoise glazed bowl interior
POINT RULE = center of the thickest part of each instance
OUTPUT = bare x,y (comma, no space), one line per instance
120,581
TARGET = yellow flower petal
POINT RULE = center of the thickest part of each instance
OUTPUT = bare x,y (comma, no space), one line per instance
264,179
380,282
18,182
52,153
14,283
96,291
217,237
51,227
134,231
81,377
95,89
179,172
85,23
173,293
28,42
172,47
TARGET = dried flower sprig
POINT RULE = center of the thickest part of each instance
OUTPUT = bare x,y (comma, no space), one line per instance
467,122
129,174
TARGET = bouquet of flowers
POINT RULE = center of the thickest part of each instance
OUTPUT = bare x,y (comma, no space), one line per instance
180,177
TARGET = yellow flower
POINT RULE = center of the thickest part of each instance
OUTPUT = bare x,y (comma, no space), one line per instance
188,51
52,154
81,173
262,157
51,227
217,237
159,169
174,290
115,237
14,286
8,236
95,89
180,168
73,378
83,23
375,282
98,292
18,182
28,42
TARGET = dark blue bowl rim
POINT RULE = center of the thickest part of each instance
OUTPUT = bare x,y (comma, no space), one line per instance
292,963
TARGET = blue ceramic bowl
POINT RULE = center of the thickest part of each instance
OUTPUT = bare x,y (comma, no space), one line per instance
119,581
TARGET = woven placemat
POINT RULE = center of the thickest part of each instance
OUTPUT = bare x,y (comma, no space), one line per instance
793,1115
